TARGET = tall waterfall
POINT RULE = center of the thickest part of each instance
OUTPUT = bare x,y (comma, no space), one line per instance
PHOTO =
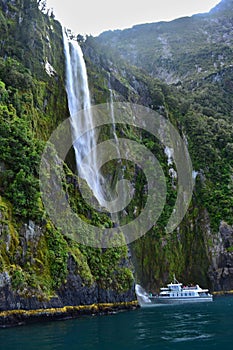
79,99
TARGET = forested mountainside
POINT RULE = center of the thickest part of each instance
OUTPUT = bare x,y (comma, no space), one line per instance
184,49
39,266
191,58
153,65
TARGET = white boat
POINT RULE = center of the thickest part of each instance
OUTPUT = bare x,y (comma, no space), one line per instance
174,293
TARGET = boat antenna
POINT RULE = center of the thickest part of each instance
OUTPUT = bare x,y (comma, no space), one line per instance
174,279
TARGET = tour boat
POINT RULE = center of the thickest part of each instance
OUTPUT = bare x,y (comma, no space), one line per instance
174,293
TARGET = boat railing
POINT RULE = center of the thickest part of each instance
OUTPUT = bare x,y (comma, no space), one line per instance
191,287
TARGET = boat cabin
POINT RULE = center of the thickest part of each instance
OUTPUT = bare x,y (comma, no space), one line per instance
176,287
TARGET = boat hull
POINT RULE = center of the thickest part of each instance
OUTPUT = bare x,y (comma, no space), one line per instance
155,301
182,300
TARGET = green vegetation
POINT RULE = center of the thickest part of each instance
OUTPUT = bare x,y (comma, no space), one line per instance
33,252
194,56
154,65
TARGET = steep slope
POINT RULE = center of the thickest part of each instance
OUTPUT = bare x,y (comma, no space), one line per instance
186,48
193,55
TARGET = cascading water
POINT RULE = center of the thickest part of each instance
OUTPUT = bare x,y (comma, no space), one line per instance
120,166
79,99
115,217
86,145
113,121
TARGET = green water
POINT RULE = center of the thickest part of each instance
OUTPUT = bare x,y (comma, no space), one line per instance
193,326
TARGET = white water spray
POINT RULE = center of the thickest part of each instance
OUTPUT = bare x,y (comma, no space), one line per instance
142,295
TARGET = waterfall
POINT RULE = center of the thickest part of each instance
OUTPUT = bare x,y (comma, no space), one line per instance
79,99
113,121
114,215
113,198
120,167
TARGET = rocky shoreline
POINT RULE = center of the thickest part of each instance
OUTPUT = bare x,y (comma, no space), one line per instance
11,318
223,293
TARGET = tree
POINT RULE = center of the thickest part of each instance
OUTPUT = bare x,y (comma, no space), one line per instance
42,4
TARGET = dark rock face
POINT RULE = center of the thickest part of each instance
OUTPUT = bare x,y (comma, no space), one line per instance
118,86
72,293
221,272
75,293
12,300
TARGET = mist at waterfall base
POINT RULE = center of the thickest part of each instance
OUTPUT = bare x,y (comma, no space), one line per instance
202,326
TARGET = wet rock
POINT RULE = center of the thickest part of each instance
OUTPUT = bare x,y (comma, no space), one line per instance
30,235
73,292
221,270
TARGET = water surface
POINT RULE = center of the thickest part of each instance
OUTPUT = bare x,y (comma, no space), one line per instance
193,326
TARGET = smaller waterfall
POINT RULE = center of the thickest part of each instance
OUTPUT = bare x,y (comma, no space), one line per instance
120,167
113,122
114,215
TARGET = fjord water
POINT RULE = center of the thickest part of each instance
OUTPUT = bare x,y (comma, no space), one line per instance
194,326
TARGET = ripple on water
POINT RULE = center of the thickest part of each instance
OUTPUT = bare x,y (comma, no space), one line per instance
187,327
186,338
